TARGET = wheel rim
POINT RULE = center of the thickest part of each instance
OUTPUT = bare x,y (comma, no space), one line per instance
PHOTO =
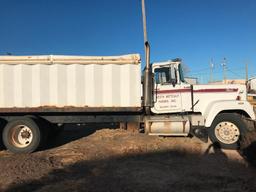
227,132
21,136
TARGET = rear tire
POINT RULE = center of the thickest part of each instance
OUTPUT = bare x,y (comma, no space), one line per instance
226,130
22,135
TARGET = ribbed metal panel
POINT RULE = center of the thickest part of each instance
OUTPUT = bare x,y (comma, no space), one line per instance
70,85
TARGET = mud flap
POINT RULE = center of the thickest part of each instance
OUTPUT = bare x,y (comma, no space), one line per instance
248,147
248,143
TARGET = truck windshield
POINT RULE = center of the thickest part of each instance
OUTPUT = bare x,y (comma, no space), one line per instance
181,74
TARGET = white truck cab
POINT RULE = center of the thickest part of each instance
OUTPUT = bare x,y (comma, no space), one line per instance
182,109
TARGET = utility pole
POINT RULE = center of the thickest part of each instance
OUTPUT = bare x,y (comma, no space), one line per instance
224,68
246,72
211,70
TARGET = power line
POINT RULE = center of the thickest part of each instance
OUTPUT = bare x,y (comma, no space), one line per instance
236,74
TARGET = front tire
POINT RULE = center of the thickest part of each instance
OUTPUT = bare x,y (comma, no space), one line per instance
226,130
22,135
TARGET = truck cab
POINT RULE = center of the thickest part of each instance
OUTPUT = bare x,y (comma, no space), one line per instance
181,109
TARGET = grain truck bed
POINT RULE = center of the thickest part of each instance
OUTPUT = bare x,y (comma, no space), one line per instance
70,83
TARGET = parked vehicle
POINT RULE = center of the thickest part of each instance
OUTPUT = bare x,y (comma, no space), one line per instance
37,93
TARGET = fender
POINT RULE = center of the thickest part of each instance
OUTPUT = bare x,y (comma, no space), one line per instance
214,108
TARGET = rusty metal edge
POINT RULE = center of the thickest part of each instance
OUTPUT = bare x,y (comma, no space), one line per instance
46,109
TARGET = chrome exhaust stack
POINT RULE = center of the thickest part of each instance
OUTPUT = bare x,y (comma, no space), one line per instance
148,78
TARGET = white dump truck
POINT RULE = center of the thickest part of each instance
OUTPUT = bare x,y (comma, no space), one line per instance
37,93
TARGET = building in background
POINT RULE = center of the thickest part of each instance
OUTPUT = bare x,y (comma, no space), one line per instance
252,85
191,80
229,81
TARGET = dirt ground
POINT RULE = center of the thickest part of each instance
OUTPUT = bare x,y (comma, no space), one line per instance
89,158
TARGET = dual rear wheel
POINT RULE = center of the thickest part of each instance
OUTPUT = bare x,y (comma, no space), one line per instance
26,134
22,135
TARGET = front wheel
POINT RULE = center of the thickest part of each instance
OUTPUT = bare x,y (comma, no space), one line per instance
226,130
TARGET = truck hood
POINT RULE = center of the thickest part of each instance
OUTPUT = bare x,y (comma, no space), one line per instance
222,88
206,94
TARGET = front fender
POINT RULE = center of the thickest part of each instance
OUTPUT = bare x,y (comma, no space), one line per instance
214,108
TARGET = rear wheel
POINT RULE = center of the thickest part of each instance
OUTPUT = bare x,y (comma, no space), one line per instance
22,135
226,130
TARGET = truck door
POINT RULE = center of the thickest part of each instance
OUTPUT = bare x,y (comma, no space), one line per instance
167,97
185,91
171,95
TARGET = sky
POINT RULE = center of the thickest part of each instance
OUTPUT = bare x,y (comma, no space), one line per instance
197,31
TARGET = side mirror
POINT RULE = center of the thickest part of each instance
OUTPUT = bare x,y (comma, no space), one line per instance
173,75
173,82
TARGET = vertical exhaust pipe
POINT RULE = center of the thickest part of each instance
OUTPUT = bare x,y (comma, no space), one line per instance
147,81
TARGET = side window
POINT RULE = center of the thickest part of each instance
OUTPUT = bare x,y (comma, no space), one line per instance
162,75
165,75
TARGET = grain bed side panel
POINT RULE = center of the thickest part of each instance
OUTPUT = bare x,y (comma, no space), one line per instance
73,85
